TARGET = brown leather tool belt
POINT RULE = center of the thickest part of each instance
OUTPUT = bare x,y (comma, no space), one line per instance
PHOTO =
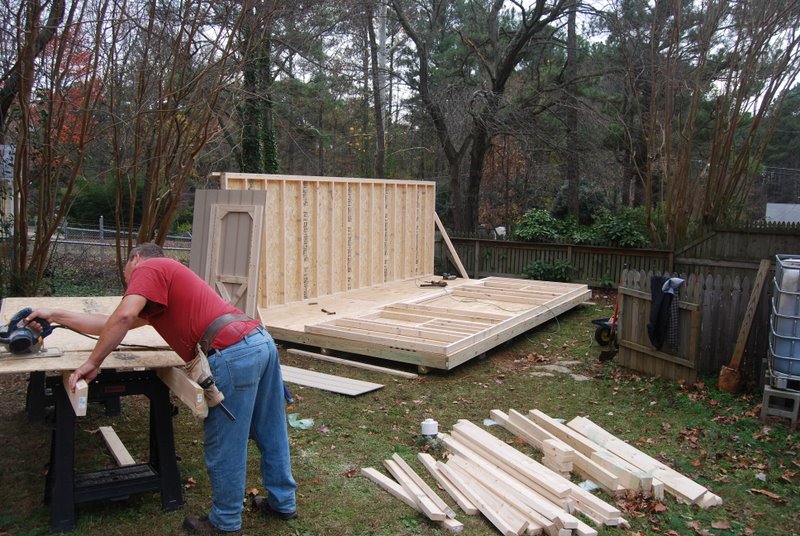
216,326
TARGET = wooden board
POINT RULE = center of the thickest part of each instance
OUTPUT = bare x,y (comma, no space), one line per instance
351,363
327,382
116,447
69,341
435,327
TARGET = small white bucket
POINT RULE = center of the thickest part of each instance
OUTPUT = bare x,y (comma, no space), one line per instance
429,427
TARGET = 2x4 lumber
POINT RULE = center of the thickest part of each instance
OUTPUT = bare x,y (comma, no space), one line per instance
445,312
630,477
473,475
555,451
576,440
546,478
78,398
506,522
115,446
450,247
349,363
424,503
395,489
395,329
390,485
456,445
679,485
426,489
429,462
581,463
532,499
186,389
327,382
515,494
497,295
585,502
333,330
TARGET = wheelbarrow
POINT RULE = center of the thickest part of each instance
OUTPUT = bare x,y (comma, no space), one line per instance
606,334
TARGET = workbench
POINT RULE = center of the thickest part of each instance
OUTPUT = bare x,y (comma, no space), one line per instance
133,370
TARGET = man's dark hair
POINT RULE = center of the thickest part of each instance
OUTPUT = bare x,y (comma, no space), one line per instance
148,250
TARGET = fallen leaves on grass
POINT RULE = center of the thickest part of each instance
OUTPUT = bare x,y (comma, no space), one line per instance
774,496
788,476
190,482
698,529
691,436
350,473
535,357
637,505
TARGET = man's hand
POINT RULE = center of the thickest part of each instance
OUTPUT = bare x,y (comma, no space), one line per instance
44,314
88,371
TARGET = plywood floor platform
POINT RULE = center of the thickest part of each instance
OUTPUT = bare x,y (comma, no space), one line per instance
431,327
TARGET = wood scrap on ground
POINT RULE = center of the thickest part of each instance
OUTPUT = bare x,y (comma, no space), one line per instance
327,382
351,363
116,447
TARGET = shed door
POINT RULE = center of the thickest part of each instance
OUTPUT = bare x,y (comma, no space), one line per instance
233,256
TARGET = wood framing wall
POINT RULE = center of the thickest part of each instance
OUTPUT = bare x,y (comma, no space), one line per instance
325,235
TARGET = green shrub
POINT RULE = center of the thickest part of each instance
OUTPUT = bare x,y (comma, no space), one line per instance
536,225
625,229
560,270
569,229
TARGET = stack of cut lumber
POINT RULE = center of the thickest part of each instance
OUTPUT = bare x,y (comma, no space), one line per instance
599,456
485,475
682,487
518,495
410,488
515,492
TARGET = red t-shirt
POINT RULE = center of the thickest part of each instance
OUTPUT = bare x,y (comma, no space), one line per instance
180,305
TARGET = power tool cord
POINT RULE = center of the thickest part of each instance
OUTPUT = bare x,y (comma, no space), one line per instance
94,338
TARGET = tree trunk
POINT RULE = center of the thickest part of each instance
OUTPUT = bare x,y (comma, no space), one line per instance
572,171
269,141
378,58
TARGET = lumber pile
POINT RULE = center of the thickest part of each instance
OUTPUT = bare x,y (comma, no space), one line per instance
518,495
599,456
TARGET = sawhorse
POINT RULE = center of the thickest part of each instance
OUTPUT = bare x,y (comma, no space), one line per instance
64,488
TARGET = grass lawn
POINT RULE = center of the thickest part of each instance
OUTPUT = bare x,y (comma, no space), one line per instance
712,437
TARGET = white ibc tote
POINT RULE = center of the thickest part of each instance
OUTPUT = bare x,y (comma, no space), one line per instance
784,340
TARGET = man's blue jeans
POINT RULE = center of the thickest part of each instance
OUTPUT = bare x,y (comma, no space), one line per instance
249,375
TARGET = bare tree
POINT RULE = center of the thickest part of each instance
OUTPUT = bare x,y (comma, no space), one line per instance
500,37
53,90
162,118
734,61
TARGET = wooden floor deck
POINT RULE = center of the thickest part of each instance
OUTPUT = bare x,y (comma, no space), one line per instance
431,327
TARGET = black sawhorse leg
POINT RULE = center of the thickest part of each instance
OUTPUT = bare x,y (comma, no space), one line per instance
64,488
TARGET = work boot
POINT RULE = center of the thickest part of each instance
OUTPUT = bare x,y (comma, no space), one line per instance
202,525
261,504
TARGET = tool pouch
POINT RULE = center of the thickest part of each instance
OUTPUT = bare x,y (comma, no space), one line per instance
199,370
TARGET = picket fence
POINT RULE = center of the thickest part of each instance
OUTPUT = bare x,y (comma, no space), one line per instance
711,310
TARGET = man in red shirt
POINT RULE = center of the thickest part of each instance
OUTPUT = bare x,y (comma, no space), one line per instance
244,363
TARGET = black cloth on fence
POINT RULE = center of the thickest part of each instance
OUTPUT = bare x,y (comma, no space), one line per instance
659,311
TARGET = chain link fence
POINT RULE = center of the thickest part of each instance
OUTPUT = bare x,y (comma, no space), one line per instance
99,243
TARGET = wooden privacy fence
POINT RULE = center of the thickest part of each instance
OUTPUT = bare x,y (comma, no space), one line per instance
592,265
711,310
